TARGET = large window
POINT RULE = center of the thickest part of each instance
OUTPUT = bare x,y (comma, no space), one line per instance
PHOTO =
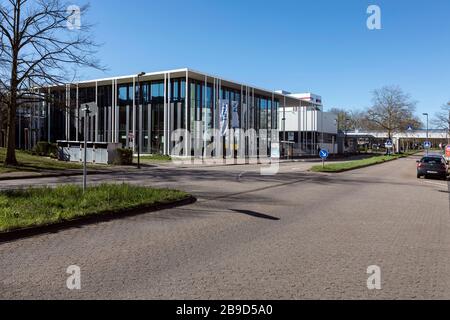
209,110
104,97
157,90
275,109
125,95
263,113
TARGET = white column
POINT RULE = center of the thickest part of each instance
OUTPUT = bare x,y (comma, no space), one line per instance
283,120
140,108
67,115
213,113
98,112
186,151
134,115
205,122
272,107
169,114
49,116
149,126
116,120
77,114
314,129
111,115
165,115
305,133
127,125
247,107
321,130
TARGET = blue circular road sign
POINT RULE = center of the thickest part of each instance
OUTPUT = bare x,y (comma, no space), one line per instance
324,154
427,144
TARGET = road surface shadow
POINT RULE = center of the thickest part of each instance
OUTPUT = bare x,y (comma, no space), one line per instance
256,214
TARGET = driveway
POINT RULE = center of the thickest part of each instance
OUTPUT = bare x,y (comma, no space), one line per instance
295,235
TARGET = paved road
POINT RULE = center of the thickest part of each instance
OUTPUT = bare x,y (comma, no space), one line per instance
296,235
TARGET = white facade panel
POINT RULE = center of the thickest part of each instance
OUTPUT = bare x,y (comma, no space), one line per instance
302,119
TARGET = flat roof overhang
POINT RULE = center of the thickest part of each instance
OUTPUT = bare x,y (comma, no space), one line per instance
192,74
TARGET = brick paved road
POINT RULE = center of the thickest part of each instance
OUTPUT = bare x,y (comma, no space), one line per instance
296,235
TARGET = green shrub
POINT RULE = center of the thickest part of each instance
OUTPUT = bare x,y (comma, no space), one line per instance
124,157
46,149
42,148
53,151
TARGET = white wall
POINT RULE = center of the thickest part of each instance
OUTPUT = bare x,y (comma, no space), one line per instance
298,119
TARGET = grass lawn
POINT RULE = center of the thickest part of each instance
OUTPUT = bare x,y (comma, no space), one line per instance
154,157
28,162
350,165
45,206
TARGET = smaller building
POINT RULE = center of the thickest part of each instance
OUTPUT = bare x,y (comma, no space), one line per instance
309,97
305,130
402,141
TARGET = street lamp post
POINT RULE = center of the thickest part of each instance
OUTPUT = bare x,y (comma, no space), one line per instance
138,136
346,120
87,112
426,114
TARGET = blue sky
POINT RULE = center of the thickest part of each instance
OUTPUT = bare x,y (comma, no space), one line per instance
322,46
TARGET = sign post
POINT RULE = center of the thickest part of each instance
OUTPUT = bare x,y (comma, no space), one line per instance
427,145
389,145
324,154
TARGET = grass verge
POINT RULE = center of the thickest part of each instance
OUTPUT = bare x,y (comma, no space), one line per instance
352,165
31,163
155,157
34,207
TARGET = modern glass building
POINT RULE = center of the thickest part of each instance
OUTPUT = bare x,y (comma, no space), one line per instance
143,111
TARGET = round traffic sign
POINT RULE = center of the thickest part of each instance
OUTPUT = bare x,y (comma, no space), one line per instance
324,154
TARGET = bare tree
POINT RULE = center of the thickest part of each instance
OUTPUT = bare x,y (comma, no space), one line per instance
392,111
341,117
39,48
441,119
350,119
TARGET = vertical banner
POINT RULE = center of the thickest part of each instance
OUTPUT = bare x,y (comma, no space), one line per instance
275,150
235,115
224,104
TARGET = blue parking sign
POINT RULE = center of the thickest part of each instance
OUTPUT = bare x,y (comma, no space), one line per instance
389,144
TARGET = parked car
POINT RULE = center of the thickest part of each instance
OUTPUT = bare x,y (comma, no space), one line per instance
432,165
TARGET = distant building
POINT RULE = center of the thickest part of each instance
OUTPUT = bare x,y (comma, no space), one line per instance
309,97
406,140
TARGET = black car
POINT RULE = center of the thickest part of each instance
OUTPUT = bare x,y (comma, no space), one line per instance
432,166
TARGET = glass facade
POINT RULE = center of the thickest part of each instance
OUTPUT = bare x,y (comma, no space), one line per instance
145,114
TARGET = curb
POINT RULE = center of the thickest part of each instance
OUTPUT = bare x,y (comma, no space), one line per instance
53,175
93,219
361,167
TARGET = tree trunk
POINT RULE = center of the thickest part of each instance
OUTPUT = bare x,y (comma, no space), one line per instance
10,159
